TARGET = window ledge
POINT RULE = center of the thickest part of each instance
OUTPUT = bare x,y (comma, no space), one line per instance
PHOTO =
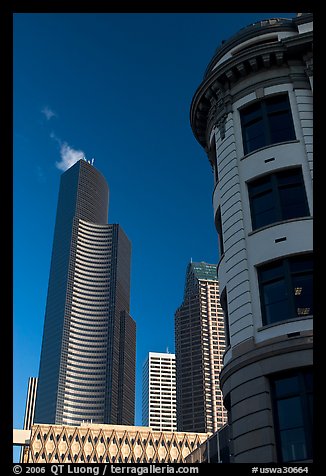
286,321
291,220
295,141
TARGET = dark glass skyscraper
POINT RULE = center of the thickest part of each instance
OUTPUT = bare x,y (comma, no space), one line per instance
87,367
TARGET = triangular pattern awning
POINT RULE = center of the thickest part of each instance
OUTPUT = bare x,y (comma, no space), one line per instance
108,444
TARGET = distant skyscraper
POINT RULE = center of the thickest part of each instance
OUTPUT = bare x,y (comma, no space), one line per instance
159,392
29,410
87,366
200,344
30,403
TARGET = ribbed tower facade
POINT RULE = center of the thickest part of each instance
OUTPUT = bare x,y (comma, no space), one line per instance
199,348
253,114
87,366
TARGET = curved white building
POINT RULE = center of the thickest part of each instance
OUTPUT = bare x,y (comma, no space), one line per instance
253,115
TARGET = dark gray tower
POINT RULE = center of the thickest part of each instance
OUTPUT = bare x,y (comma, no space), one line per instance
82,367
199,348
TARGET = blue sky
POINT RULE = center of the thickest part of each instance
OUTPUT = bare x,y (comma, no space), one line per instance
117,88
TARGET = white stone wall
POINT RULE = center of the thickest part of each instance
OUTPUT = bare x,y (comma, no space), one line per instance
243,248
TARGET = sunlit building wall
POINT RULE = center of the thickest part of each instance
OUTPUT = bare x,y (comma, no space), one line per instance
159,392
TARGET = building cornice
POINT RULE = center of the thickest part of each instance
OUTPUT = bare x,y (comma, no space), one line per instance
213,99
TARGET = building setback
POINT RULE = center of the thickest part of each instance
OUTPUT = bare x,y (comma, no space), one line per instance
253,114
159,392
87,366
200,344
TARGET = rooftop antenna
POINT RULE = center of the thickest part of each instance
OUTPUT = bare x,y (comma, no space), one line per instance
92,161
167,350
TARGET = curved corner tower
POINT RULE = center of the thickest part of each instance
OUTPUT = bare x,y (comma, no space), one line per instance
88,348
253,114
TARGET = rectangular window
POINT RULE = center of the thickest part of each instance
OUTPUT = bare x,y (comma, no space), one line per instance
266,122
286,289
292,407
224,305
219,230
277,197
212,156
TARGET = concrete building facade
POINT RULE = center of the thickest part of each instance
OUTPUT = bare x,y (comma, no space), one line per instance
200,345
87,365
159,400
253,114
90,443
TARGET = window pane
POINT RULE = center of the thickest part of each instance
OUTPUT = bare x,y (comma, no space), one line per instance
260,186
271,272
276,302
292,396
251,113
292,176
302,288
289,413
281,127
263,210
287,386
293,445
277,103
254,136
293,202
301,263
308,377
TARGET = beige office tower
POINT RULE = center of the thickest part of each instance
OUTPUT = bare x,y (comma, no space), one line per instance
159,392
200,345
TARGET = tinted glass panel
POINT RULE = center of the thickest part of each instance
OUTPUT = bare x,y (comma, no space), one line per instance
281,128
309,381
272,272
289,413
255,137
292,176
302,287
293,202
276,302
287,386
251,113
263,209
301,263
277,103
260,185
293,445
293,415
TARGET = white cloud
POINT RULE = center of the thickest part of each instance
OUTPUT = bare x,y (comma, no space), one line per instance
48,113
69,156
